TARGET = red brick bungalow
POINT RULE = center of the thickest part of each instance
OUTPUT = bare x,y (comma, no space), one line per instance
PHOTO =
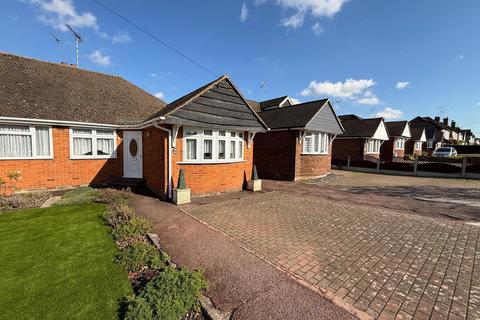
417,142
362,139
399,133
61,127
298,145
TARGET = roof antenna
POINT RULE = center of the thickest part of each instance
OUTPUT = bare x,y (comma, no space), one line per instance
262,87
78,39
57,40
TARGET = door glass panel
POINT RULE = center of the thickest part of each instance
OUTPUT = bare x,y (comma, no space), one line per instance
133,147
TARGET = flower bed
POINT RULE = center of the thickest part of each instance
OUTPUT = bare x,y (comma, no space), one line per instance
162,291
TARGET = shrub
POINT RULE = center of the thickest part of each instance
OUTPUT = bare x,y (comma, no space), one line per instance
77,196
134,227
109,195
169,296
138,255
23,200
118,213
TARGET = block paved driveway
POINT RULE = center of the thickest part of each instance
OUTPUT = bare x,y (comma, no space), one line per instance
377,257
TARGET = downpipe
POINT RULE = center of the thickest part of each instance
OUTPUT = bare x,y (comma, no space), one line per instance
169,185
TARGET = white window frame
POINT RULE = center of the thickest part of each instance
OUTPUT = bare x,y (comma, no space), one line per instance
200,137
320,143
31,133
430,144
400,143
417,144
373,146
94,138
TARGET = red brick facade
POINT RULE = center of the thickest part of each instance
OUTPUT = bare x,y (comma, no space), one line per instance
61,171
200,178
278,155
410,148
344,148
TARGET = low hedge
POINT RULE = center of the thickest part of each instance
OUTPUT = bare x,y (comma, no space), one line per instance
169,296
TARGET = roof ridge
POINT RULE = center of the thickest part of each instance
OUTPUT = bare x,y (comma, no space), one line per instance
293,105
61,64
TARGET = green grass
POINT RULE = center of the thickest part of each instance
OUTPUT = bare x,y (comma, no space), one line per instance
58,263
82,195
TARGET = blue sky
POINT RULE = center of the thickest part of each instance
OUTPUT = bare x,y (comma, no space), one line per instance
371,57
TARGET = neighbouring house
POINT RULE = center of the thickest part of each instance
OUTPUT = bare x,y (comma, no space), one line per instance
399,134
61,126
417,143
361,140
298,145
468,136
437,133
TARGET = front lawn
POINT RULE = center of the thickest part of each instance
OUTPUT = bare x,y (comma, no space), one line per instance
58,263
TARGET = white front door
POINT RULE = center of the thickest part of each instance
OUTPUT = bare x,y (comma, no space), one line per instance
132,154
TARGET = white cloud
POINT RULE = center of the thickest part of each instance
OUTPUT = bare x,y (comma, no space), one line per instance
402,85
159,95
244,12
153,75
295,100
348,89
478,104
294,21
389,113
368,99
99,59
317,8
317,29
459,57
121,37
57,13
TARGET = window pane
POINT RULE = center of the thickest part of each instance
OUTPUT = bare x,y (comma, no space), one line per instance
207,132
13,128
105,147
82,131
105,132
221,133
232,149
316,142
191,149
15,146
232,134
82,146
42,141
307,144
240,149
221,149
240,134
207,149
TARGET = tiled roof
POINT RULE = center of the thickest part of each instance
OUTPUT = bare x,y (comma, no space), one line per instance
396,128
295,116
35,89
358,128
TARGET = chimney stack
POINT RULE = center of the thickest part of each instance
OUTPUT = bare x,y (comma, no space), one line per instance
454,124
445,121
437,119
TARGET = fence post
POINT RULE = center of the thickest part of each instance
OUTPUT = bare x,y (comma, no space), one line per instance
378,165
348,162
415,167
464,168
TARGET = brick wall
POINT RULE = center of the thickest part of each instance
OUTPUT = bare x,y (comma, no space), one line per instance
213,178
60,171
409,148
343,148
310,166
274,155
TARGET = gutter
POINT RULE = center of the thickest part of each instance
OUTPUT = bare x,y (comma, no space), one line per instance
169,174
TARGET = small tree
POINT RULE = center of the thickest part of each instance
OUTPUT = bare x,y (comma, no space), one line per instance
14,177
254,173
181,180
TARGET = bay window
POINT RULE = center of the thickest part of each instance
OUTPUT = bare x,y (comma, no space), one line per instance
25,142
373,145
88,143
211,146
316,143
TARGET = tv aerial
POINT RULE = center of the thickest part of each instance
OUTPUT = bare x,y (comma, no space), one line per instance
78,39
